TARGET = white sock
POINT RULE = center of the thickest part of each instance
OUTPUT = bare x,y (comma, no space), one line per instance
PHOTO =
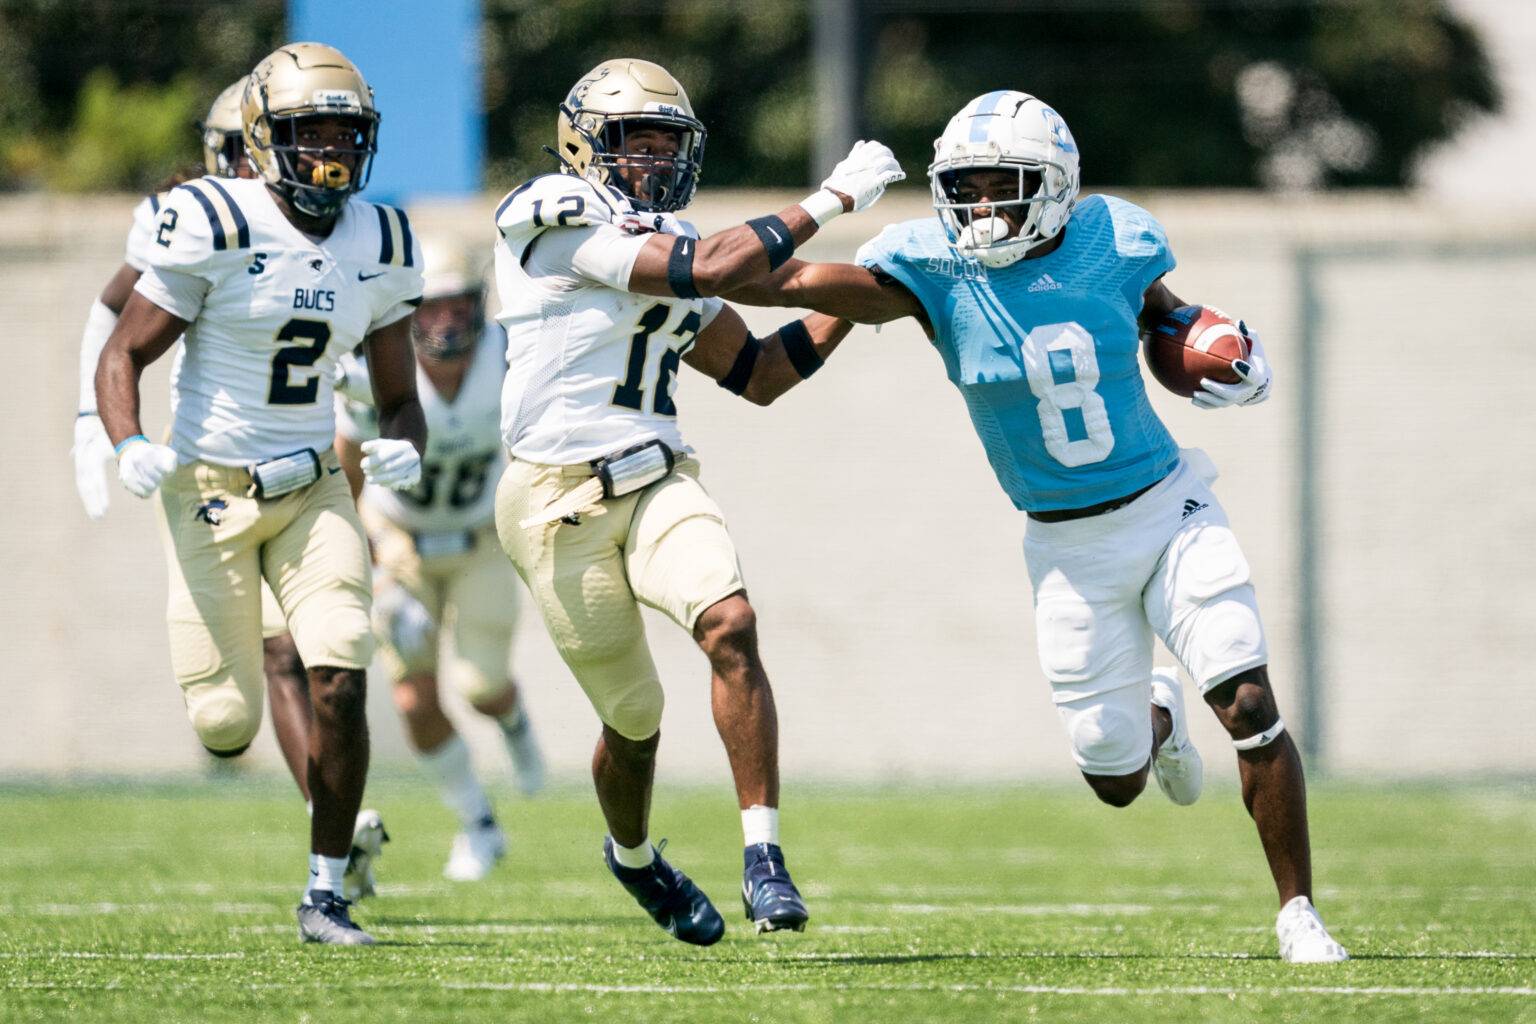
760,824
325,873
449,768
641,856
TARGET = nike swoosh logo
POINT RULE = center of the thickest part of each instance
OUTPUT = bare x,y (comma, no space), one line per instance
369,277
685,248
333,472
775,234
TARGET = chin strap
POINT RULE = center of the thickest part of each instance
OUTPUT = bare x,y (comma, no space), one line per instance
1263,739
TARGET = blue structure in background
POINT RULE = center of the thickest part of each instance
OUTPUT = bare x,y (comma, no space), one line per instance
423,61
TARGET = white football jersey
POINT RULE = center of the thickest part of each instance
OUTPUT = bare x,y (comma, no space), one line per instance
146,221
269,312
464,457
591,366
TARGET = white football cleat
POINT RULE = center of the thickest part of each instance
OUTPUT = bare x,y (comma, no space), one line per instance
527,758
1303,939
1176,764
368,839
474,853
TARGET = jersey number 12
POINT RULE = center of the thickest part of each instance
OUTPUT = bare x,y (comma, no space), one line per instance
628,394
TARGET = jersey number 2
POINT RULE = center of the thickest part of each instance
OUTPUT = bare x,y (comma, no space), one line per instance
282,390
628,394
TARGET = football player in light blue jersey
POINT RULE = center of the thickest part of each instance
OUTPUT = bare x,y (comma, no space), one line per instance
1034,301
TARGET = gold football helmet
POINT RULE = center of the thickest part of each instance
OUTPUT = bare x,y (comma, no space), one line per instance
619,96
449,270
224,132
309,80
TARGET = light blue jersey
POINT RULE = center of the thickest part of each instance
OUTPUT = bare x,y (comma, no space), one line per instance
1045,351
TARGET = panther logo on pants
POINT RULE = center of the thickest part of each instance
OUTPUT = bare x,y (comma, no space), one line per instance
213,512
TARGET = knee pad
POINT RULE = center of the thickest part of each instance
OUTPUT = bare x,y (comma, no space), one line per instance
1108,740
344,639
634,712
224,722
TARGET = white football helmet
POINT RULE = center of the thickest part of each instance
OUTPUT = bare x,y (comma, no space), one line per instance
224,132
448,270
1009,131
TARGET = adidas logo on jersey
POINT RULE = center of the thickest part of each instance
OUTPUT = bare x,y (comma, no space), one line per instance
1045,283
1191,506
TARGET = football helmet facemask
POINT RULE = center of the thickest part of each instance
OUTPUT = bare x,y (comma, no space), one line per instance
223,132
448,270
309,80
1017,133
612,101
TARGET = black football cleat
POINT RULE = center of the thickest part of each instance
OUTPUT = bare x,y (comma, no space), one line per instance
670,897
772,902
324,919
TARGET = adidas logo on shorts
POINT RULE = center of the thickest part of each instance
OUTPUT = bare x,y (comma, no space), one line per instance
1045,283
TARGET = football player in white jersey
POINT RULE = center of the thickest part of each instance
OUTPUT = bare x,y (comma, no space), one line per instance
223,140
445,571
272,280
1033,299
604,294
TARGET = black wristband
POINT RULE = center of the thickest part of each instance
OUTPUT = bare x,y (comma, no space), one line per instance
680,269
741,370
800,349
775,236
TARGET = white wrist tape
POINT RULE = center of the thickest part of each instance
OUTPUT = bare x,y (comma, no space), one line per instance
1263,739
822,205
98,328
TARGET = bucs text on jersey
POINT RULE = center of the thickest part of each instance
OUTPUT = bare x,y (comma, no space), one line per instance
269,312
464,457
591,366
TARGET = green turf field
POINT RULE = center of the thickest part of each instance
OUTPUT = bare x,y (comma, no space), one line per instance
174,902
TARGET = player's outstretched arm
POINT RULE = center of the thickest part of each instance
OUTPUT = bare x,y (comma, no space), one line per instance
393,459
836,289
688,268
762,369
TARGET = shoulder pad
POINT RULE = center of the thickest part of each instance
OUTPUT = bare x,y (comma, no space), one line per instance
198,223
141,234
1137,232
397,245
884,247
557,201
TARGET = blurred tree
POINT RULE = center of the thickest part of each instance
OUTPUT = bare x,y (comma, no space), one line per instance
1161,93
67,123
1286,94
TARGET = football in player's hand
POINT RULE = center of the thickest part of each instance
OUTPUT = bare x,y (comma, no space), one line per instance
1192,342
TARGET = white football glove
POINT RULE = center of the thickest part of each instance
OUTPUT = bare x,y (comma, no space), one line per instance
864,173
143,465
1254,386
351,379
92,452
409,625
391,462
